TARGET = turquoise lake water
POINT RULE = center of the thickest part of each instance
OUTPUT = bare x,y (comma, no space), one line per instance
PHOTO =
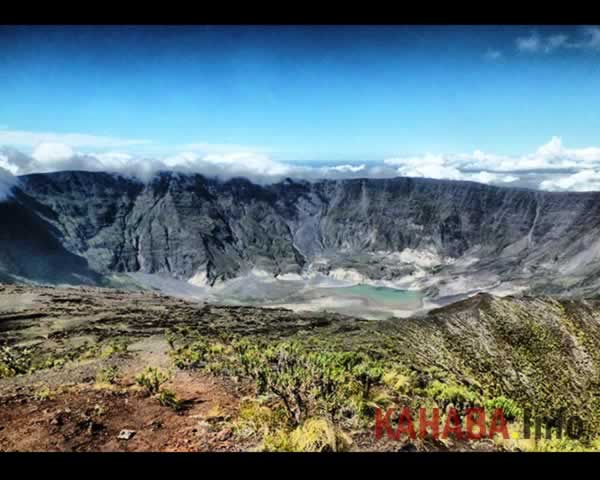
383,295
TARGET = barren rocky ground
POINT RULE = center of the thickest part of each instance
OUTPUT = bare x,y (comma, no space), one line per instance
66,409
83,348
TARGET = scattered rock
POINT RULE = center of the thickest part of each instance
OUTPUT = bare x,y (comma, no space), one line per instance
156,425
126,434
93,427
224,434
204,425
57,419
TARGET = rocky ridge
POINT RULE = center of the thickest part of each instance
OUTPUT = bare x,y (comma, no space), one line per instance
91,224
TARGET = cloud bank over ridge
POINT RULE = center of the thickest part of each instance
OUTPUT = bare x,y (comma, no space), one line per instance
7,181
552,166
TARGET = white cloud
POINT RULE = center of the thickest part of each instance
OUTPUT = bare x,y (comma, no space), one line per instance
228,164
429,166
251,162
585,180
552,166
114,160
587,38
552,156
7,166
52,153
7,181
593,37
348,168
531,43
448,167
556,167
488,177
556,41
492,54
256,166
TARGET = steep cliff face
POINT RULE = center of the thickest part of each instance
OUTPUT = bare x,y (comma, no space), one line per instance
175,224
186,225
31,247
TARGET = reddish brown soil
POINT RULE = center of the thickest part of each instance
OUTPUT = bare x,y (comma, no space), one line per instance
87,418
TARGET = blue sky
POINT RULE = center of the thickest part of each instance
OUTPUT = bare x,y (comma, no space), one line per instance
301,94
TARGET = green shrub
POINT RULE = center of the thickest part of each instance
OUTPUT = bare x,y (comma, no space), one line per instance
20,361
254,418
561,445
171,337
282,370
446,395
314,435
307,383
509,407
102,350
367,407
15,361
194,355
114,347
396,381
152,379
5,371
168,398
43,393
50,362
367,374
108,375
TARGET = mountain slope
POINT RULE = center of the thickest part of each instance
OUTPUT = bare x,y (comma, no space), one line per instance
187,225
31,248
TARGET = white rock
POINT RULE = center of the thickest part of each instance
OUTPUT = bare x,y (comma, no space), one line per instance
126,434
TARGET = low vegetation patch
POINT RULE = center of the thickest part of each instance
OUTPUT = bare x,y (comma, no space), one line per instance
168,398
107,375
314,435
510,408
452,395
151,379
22,360
44,393
307,397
